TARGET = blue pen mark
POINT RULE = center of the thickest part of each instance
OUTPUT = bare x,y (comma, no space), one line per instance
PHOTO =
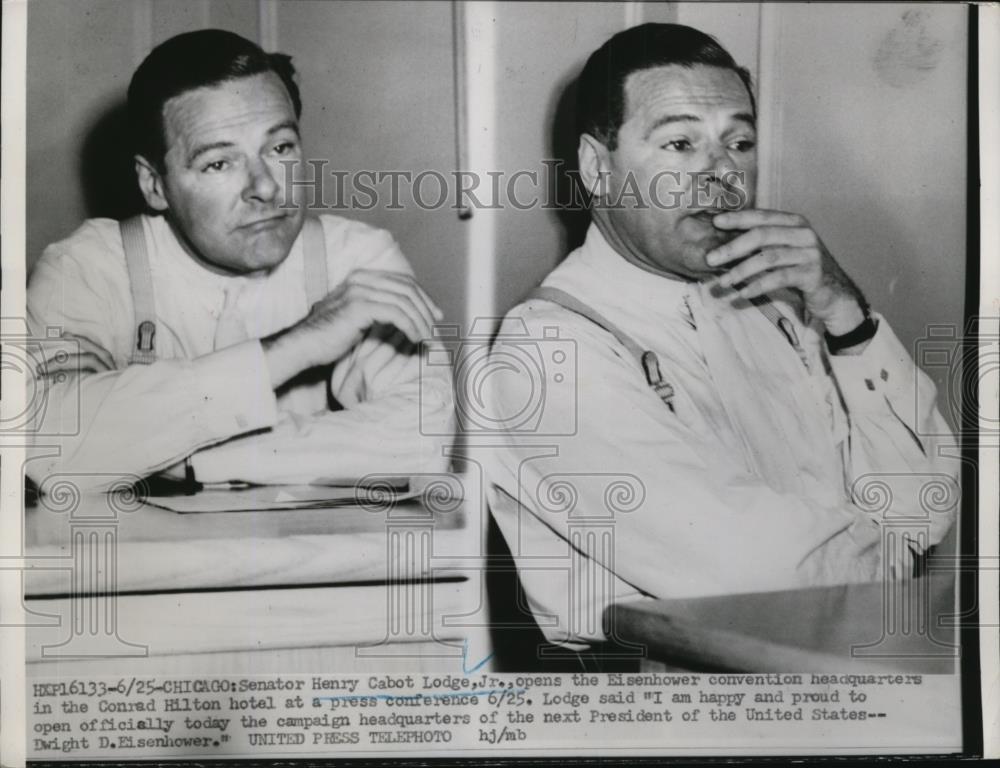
465,654
415,696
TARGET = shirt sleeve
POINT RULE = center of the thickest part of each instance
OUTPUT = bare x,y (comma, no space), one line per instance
139,419
685,518
398,415
897,458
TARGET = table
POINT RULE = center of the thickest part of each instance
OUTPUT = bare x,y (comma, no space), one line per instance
892,626
118,586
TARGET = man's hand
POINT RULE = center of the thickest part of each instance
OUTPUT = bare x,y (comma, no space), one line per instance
781,250
337,323
72,353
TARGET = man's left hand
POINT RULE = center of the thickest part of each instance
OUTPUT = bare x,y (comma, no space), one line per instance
781,250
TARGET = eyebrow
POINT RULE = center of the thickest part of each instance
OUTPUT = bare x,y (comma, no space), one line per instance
743,117
287,124
201,149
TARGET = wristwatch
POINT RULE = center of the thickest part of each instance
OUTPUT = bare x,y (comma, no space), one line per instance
862,333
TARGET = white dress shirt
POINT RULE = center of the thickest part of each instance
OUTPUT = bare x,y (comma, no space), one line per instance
774,470
208,393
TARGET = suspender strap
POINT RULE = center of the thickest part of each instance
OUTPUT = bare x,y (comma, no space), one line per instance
314,260
141,280
645,359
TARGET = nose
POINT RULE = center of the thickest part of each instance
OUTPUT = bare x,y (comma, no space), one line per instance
260,183
723,179
719,161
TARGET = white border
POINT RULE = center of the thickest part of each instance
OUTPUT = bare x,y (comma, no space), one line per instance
12,242
989,307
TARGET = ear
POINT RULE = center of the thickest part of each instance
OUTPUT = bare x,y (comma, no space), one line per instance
150,184
595,165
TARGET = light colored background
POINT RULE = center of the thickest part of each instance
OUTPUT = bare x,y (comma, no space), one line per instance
863,122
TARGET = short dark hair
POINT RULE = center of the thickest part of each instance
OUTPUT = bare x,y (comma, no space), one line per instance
199,59
601,86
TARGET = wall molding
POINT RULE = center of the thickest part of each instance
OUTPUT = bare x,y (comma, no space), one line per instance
769,114
633,14
267,24
479,32
142,30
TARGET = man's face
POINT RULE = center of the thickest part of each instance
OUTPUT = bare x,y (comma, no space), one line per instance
688,141
223,186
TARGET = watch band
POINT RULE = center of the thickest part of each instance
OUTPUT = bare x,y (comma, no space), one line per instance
862,333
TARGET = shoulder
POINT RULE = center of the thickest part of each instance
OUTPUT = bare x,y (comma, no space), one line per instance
81,283
96,240
353,244
538,316
545,323
90,260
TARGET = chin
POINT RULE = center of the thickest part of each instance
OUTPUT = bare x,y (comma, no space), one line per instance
270,260
269,251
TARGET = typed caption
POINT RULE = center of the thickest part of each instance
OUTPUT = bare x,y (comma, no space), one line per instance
149,717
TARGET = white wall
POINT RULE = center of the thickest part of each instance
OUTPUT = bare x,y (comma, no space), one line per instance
871,124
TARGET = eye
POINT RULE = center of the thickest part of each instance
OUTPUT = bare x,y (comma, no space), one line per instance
743,145
284,148
215,166
678,145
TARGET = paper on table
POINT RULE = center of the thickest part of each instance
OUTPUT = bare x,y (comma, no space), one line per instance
273,497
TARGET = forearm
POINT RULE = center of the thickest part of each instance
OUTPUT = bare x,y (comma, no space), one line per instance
390,435
700,530
141,419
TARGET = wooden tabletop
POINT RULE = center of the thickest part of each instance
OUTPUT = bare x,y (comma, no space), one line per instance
897,626
157,549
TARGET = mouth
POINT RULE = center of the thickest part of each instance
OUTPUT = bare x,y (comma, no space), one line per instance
268,222
707,215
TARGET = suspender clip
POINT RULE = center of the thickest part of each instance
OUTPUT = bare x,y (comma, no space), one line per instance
146,336
651,365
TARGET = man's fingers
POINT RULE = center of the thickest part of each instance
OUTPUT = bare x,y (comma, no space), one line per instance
73,363
415,309
758,239
393,314
771,258
768,282
758,217
425,302
418,325
69,345
86,345
418,294
399,283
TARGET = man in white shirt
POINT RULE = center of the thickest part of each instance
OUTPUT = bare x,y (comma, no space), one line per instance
736,410
208,355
